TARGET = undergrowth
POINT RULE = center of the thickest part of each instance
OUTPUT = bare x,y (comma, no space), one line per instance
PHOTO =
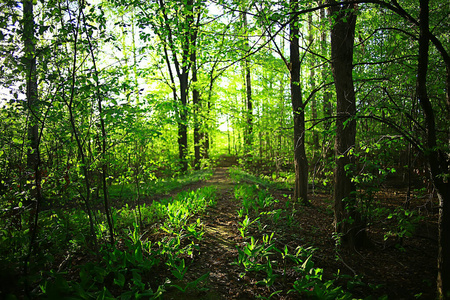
67,265
126,188
283,181
282,269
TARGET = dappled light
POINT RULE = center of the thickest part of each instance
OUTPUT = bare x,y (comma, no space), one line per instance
168,149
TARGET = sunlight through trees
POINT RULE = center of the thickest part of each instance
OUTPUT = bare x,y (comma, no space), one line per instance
111,107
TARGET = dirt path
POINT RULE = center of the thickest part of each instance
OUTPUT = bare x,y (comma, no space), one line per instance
218,248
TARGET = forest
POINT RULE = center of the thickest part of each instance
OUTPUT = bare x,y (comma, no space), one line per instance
224,149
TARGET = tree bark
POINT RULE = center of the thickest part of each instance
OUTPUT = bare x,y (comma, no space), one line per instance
248,88
312,82
347,219
196,104
438,163
182,122
327,107
248,136
182,72
298,109
33,156
31,94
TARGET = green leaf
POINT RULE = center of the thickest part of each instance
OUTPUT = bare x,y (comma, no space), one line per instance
119,280
308,264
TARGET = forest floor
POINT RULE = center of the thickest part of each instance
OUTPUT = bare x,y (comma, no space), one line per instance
403,269
400,261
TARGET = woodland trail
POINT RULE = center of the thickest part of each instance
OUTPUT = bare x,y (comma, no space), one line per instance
218,248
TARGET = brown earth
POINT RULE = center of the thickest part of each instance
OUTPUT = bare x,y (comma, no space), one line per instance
404,269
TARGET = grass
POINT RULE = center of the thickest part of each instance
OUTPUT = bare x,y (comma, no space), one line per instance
127,189
284,181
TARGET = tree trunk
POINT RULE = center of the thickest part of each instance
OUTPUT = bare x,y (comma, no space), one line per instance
76,134
248,87
438,163
300,160
327,108
248,136
103,145
32,96
184,85
182,122
33,158
312,82
347,219
182,72
196,104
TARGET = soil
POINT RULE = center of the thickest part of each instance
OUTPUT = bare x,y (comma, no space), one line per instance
403,269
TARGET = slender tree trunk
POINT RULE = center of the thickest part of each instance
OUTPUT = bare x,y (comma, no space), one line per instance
33,153
182,71
327,107
438,163
196,104
186,64
77,136
312,82
134,51
248,87
347,219
281,124
248,135
206,134
31,92
195,96
103,147
182,123
298,109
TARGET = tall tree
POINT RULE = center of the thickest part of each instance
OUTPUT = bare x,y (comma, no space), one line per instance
437,160
29,40
298,109
248,135
196,106
347,219
312,83
174,23
327,108
77,133
103,147
33,152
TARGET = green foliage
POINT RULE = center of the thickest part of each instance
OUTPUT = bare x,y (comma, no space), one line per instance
284,181
253,199
245,225
125,187
127,269
268,264
122,272
109,77
259,258
404,223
